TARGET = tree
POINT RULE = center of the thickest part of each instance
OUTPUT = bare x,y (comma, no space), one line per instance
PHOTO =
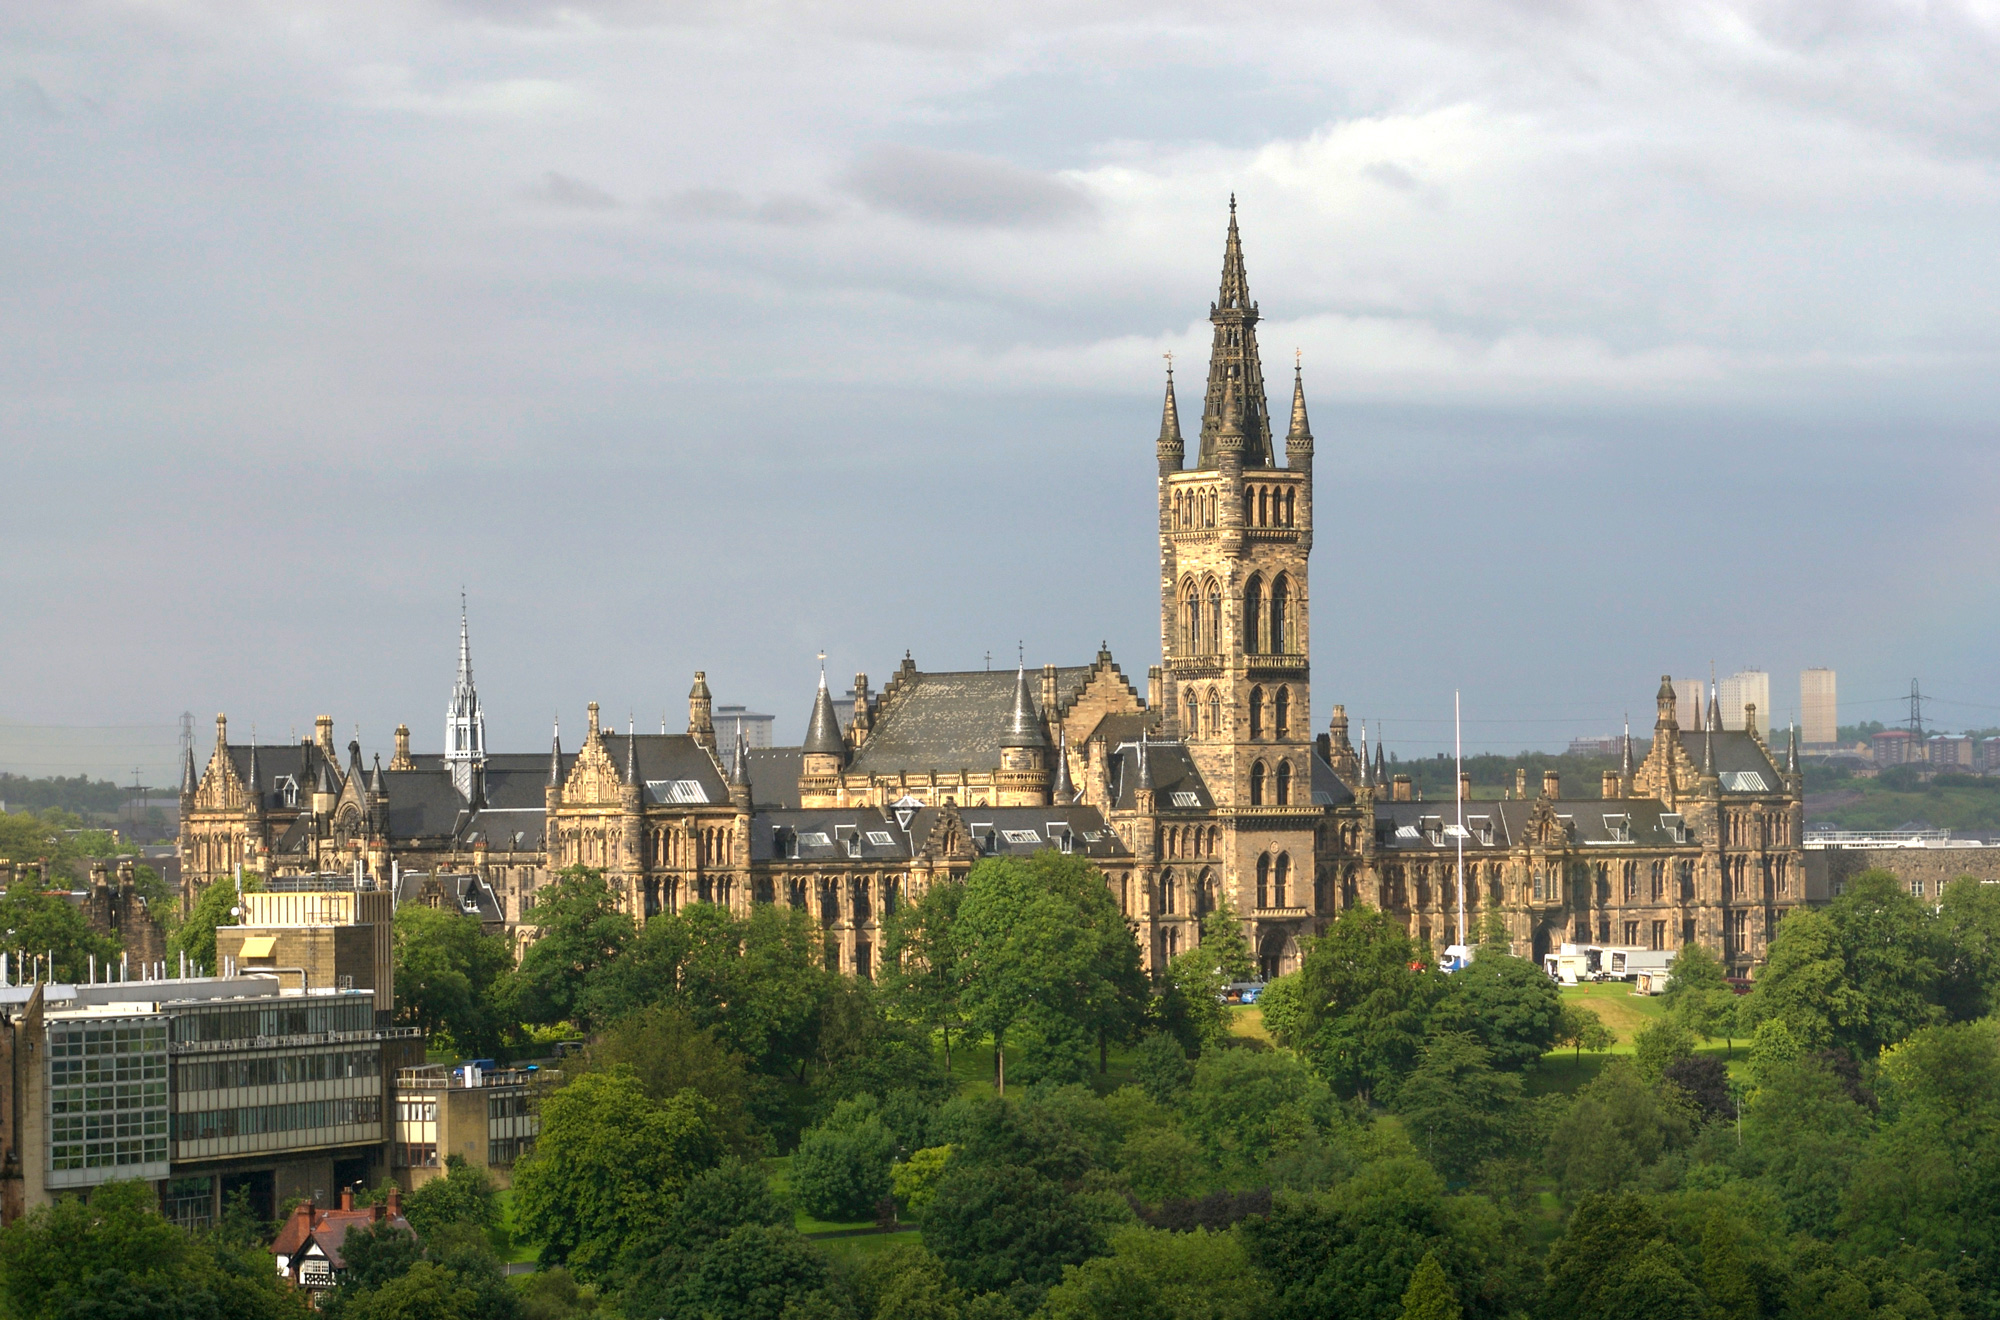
920,967
1658,1046
1582,1028
448,971
1698,996
1615,1260
1160,1067
465,1195
195,937
1805,984
581,931
1366,990
995,1225
1222,939
1045,932
1969,915
1706,1082
35,924
1460,1110
1156,1275
1507,1003
841,1169
915,1180
1195,982
608,1166
1614,1128
1430,1295
669,1053
907,1283
114,1256
1243,1105
1278,1004
756,1272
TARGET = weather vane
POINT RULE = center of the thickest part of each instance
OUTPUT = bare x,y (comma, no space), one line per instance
1169,356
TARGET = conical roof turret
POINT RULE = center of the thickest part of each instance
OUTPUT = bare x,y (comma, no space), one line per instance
188,780
555,756
823,733
1625,769
739,770
256,783
375,778
1367,770
1170,448
1024,722
1301,432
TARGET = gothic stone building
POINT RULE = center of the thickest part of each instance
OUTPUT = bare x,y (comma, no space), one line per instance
1207,787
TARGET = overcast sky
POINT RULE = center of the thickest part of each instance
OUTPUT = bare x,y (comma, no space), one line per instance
1636,337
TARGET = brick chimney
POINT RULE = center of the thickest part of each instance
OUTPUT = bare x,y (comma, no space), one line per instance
1613,787
1552,784
1521,781
1400,789
347,1198
395,1202
1465,786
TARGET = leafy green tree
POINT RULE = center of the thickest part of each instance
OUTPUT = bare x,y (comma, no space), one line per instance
608,1165
841,1169
1160,1067
920,963
1803,1132
1222,939
1615,1259
1366,991
1045,931
715,1203
580,933
1154,1275
915,1180
1616,1127
1581,1028
997,1225
1460,1110
1695,970
1507,1003
1279,1005
669,1053
554,1294
1244,1105
757,1272
1353,1252
1430,1295
34,924
1658,1046
1969,915
465,1195
114,1257
448,974
1054,1050
1805,984
907,1283
1195,983
1160,1162
1698,996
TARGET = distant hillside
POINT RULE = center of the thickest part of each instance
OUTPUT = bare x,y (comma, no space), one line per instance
78,793
1966,803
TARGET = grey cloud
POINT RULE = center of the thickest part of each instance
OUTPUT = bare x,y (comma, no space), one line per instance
949,187
727,204
572,193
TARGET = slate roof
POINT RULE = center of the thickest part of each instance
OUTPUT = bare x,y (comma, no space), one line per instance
857,833
989,827
948,722
1737,753
1424,826
1328,789
774,776
1173,773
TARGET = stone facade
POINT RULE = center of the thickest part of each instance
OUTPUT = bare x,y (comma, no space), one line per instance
1209,787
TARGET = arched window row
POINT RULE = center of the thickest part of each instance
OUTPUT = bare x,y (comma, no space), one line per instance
1279,705
1267,616
1191,841
1194,508
1274,784
1274,877
1269,506
1200,617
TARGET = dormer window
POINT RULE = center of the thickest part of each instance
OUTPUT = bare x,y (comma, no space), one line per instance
1618,828
1675,826
1481,828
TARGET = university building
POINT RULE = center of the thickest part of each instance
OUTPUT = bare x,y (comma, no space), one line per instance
1201,785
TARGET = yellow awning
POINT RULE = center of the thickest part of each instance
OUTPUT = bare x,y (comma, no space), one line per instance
259,946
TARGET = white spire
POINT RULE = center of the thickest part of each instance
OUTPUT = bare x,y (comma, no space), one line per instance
464,720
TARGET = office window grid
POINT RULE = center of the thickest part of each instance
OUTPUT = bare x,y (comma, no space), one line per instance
254,1120
340,1014
107,1099
276,1070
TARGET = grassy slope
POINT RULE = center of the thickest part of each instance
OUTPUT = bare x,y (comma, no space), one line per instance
1956,802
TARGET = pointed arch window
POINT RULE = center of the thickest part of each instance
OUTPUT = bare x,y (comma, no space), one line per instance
1256,712
1281,713
1214,714
1213,623
1281,875
1257,784
1281,615
1284,783
1253,613
1291,507
1190,618
1264,881
1263,506
1193,716
1167,892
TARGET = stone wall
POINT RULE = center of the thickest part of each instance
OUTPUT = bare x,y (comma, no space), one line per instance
1827,869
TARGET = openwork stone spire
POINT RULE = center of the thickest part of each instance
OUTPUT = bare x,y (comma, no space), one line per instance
1233,357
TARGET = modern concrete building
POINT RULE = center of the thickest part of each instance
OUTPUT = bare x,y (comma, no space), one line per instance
1819,711
734,721
484,1116
203,1086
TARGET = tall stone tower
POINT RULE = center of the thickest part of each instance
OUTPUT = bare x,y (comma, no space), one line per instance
465,725
1235,535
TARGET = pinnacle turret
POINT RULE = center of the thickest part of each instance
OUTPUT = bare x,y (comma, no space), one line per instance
555,756
1171,449
631,752
739,771
1233,359
1064,793
188,781
256,784
464,720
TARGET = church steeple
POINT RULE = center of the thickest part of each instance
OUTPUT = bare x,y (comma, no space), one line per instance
1233,357
1171,449
464,720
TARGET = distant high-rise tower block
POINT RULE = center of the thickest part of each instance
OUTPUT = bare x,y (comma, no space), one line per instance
1819,714
1743,689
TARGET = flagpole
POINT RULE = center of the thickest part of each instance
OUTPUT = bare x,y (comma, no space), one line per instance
1458,757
